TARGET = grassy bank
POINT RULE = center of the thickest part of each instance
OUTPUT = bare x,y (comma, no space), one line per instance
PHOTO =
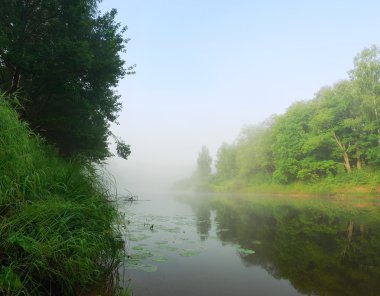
57,226
363,182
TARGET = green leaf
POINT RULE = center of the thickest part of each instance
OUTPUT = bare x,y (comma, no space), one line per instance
160,259
244,251
9,281
29,244
190,253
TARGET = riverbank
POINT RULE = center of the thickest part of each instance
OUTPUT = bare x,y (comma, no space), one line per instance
58,221
358,183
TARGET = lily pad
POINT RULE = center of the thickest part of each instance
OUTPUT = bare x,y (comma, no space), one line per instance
138,248
160,259
143,267
245,251
167,247
149,268
141,255
190,253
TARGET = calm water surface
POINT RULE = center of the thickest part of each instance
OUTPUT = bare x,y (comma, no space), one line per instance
256,246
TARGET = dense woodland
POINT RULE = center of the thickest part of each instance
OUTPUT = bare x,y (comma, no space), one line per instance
335,134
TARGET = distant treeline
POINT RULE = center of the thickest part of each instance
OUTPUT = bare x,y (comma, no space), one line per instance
335,133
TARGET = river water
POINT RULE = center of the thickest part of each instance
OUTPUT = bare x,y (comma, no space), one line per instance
182,244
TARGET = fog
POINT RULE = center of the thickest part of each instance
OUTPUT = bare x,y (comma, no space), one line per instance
135,177
207,68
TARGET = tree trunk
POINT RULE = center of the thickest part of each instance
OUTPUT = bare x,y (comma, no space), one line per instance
358,163
15,80
346,162
350,229
358,160
362,231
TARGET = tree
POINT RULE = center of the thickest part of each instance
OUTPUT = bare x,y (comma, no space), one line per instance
63,58
226,167
254,153
204,162
290,134
366,79
366,76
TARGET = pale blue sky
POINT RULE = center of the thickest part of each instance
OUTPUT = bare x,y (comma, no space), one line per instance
206,68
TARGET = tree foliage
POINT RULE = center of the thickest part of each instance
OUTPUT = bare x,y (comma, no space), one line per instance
203,171
62,57
338,131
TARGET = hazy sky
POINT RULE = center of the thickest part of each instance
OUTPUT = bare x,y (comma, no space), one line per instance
206,68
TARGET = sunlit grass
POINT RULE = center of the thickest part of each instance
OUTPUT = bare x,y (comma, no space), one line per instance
363,183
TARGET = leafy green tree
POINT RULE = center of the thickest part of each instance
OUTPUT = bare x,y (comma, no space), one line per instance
328,129
339,118
254,153
226,167
366,79
290,132
204,161
63,58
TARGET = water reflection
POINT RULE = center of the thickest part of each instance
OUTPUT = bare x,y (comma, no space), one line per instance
202,213
184,256
322,247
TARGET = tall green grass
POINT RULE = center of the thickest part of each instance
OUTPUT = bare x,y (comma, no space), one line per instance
57,222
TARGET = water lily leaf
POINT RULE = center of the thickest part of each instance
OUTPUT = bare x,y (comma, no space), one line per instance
160,259
167,247
143,267
138,248
141,255
190,253
245,251
149,268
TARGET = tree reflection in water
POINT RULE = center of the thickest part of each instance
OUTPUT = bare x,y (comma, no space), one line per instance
322,247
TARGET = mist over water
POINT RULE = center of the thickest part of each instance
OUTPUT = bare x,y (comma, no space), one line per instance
206,69
192,244
139,177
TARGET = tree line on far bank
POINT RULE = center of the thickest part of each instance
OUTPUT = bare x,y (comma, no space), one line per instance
336,133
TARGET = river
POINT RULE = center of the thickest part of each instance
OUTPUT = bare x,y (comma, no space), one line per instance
183,244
